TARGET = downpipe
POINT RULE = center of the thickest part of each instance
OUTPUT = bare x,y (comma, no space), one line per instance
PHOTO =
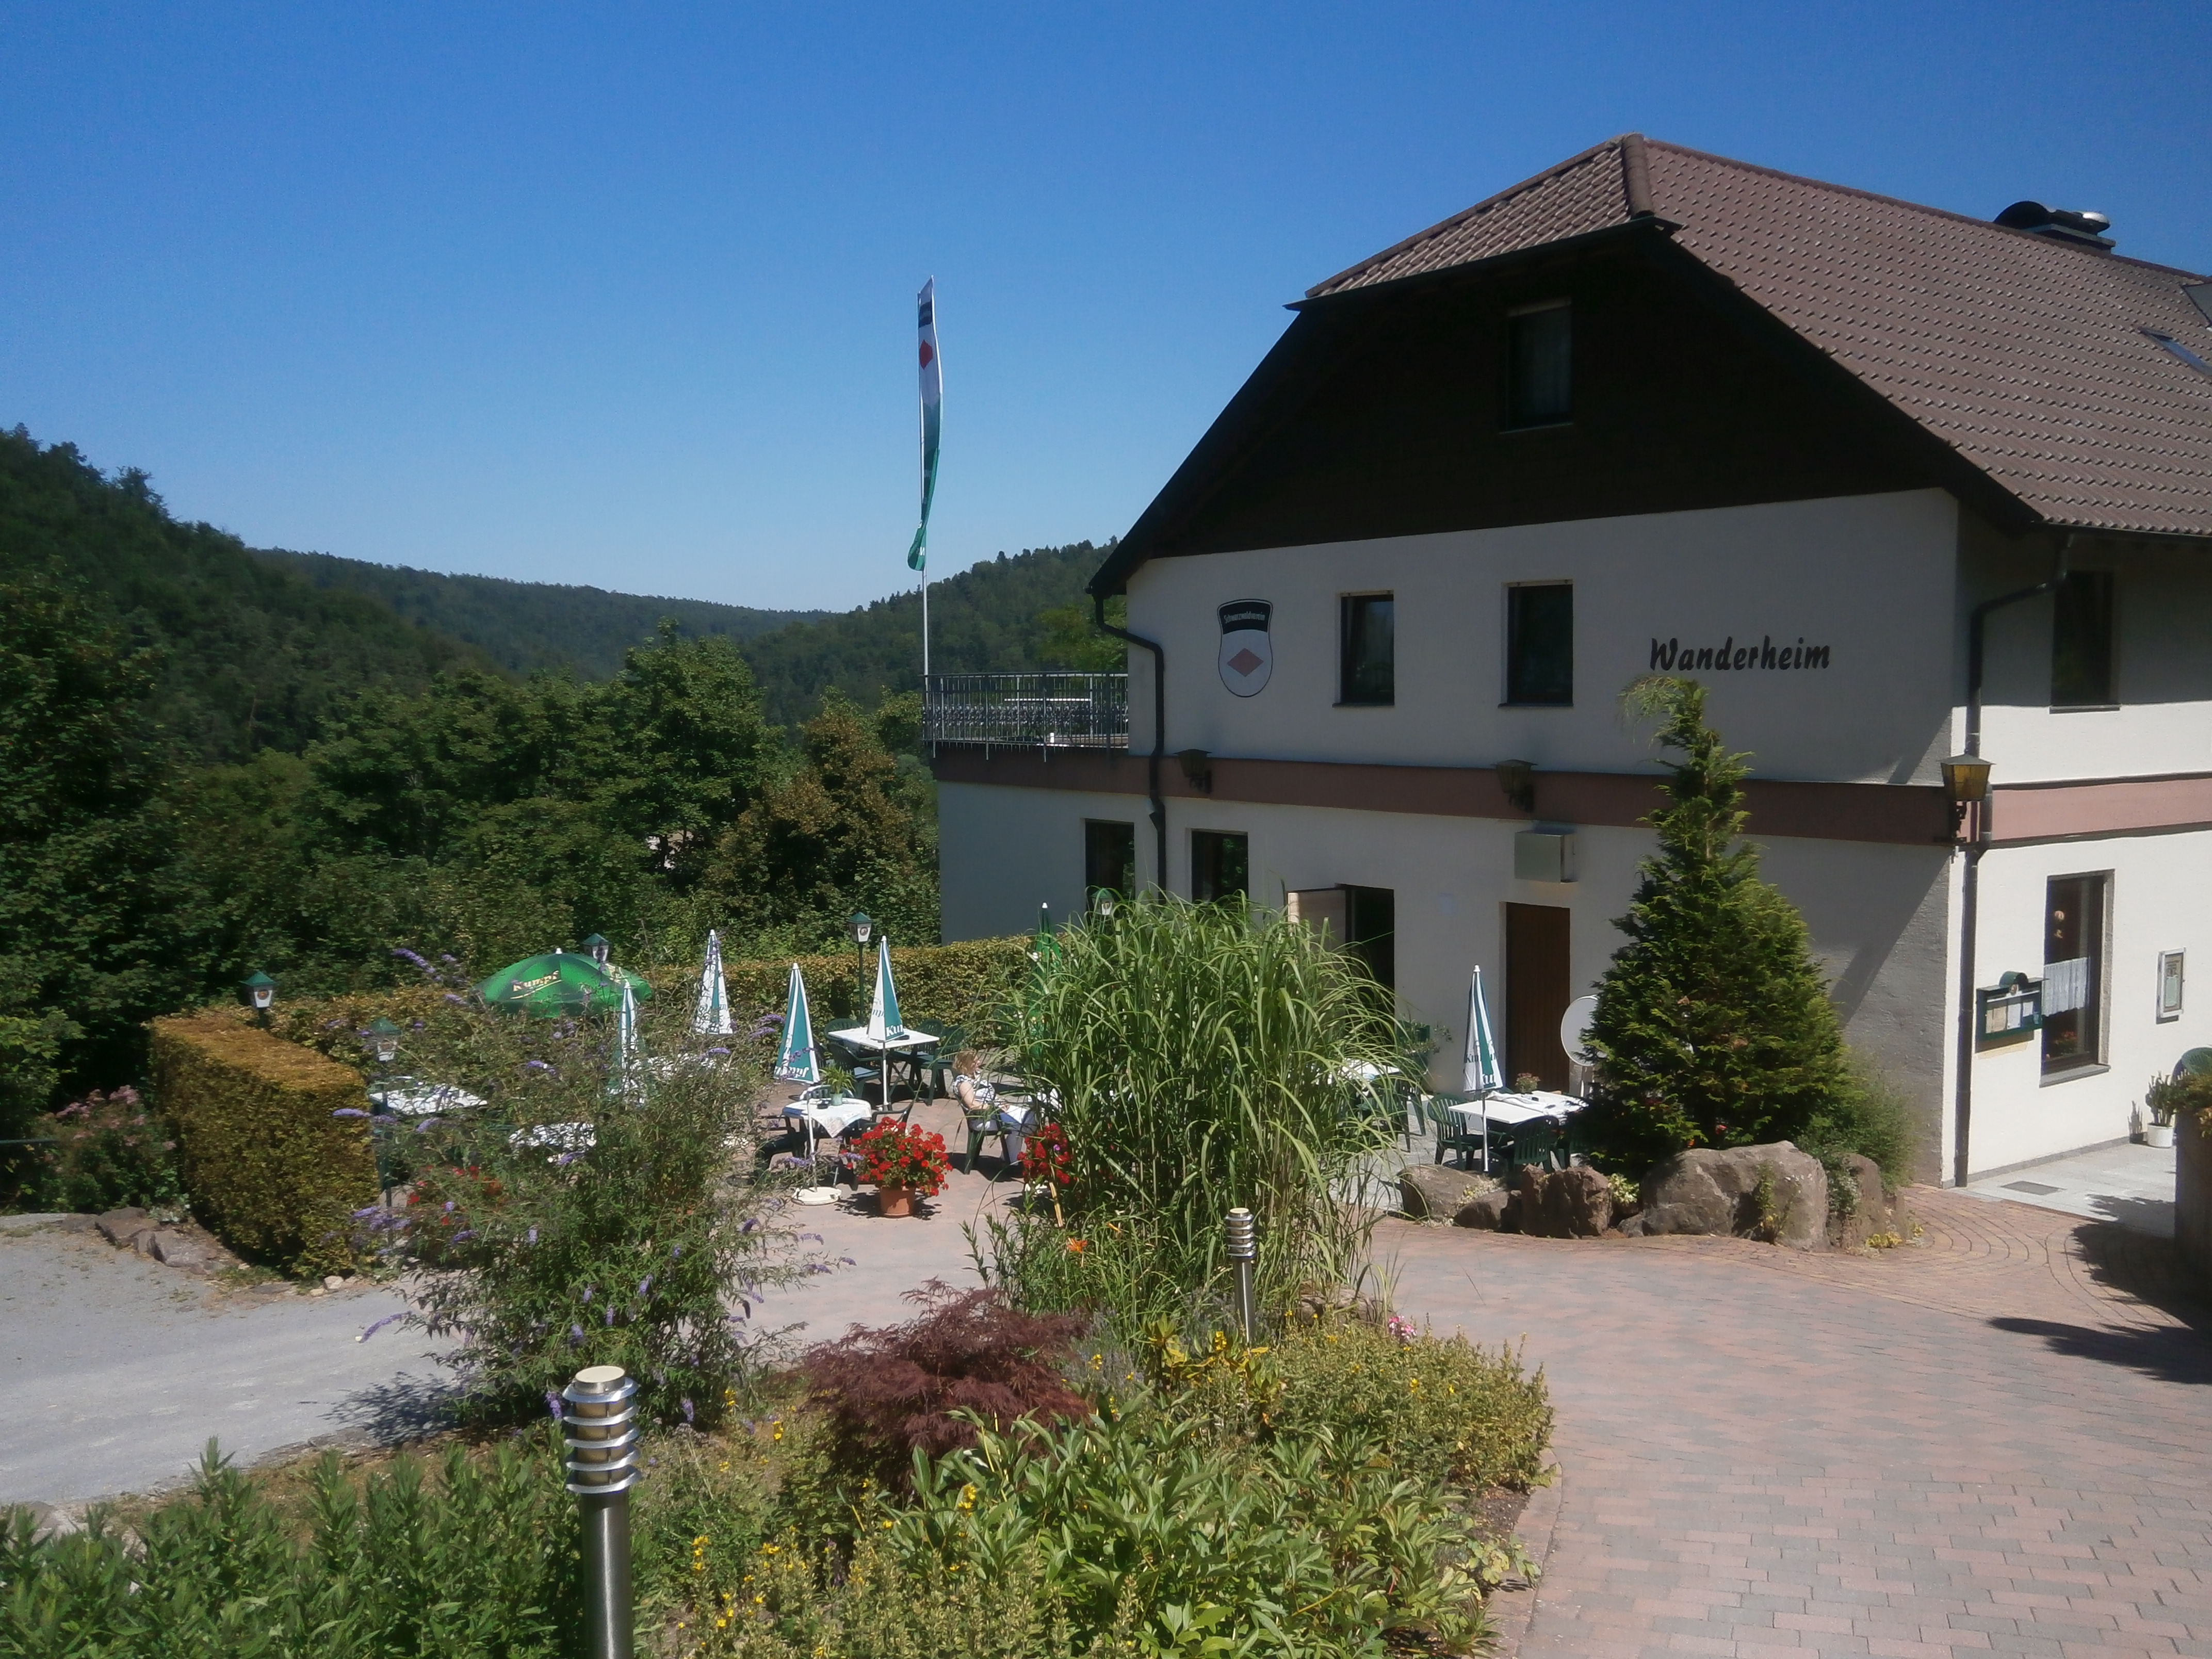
1973,848
1159,733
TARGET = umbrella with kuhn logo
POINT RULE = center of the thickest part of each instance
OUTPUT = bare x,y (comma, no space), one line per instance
1248,655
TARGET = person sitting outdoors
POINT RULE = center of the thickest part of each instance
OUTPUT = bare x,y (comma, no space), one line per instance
979,1103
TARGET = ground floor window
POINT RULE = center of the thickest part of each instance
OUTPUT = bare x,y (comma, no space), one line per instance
2074,971
1371,927
1220,865
1109,859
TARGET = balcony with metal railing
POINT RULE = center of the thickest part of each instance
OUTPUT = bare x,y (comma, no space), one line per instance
1028,711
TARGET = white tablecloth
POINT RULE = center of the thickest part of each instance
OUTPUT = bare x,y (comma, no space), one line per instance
405,1097
832,1117
1506,1110
900,1040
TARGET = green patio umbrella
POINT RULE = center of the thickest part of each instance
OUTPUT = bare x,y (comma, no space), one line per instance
560,982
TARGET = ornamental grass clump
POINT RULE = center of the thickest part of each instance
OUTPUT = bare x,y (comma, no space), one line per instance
1203,1057
575,1218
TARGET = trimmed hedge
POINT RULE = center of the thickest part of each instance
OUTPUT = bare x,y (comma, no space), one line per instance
269,1169
966,984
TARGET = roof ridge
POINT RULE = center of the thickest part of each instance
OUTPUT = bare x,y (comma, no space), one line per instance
1830,186
1443,226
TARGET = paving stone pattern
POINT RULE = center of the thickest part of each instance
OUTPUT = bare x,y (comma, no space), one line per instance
1996,1440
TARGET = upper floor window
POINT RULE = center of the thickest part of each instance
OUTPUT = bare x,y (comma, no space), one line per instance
1540,358
1369,672
1539,643
2082,641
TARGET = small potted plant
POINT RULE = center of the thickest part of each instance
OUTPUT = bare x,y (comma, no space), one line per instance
2162,1099
904,1162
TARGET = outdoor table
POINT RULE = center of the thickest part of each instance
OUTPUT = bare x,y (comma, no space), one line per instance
405,1097
902,1043
1509,1110
836,1116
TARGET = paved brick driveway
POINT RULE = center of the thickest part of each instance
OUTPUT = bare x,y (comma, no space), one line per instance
1997,1440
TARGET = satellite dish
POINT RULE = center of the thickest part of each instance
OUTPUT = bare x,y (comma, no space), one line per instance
1574,1024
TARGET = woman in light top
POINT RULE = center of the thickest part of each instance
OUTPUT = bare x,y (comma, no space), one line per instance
979,1102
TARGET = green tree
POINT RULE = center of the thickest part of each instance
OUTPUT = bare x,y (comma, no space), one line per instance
1713,1024
845,831
85,946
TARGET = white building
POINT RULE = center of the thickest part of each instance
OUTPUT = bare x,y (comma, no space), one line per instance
1654,410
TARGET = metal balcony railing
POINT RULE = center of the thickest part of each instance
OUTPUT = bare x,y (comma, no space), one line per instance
1030,711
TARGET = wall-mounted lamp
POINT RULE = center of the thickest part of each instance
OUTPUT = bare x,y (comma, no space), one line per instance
1966,783
1197,769
1517,778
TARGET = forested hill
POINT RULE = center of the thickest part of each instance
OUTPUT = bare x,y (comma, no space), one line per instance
526,626
251,654
1024,610
256,648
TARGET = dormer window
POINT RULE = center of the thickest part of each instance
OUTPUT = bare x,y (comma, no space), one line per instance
1539,364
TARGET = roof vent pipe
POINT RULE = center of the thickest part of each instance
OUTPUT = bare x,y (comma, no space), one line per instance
2060,224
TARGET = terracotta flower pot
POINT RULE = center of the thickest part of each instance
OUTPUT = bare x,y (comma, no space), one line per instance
894,1200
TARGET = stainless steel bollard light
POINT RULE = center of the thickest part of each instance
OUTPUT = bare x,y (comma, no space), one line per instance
1244,1250
597,1411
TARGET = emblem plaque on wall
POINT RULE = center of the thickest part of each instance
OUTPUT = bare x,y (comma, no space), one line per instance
1248,655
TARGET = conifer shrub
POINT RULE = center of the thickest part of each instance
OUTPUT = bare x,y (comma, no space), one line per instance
1713,1025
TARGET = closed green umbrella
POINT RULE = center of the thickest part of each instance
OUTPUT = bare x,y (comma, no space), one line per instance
560,982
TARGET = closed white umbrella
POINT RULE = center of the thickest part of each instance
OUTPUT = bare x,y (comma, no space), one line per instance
628,1078
795,1061
884,1021
1482,1073
712,1016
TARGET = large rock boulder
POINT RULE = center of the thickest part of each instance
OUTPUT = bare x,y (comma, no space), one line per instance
122,1228
1876,1211
1774,1192
1437,1191
1575,1202
1497,1211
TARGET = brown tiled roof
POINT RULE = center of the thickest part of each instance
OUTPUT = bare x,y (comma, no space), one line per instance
2024,353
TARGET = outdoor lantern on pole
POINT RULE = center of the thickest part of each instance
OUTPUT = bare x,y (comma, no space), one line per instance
1966,782
261,990
597,947
1106,904
599,1422
1244,1253
862,929
383,1040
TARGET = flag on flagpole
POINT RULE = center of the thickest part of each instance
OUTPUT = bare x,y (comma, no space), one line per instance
932,407
712,1016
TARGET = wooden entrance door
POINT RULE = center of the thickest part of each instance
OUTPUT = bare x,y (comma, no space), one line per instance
1537,992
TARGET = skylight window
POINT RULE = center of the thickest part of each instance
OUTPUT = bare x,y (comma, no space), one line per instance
2180,350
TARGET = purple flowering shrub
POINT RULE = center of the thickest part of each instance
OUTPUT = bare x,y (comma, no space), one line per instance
570,1221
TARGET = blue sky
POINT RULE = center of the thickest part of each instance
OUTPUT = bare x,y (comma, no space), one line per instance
624,293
